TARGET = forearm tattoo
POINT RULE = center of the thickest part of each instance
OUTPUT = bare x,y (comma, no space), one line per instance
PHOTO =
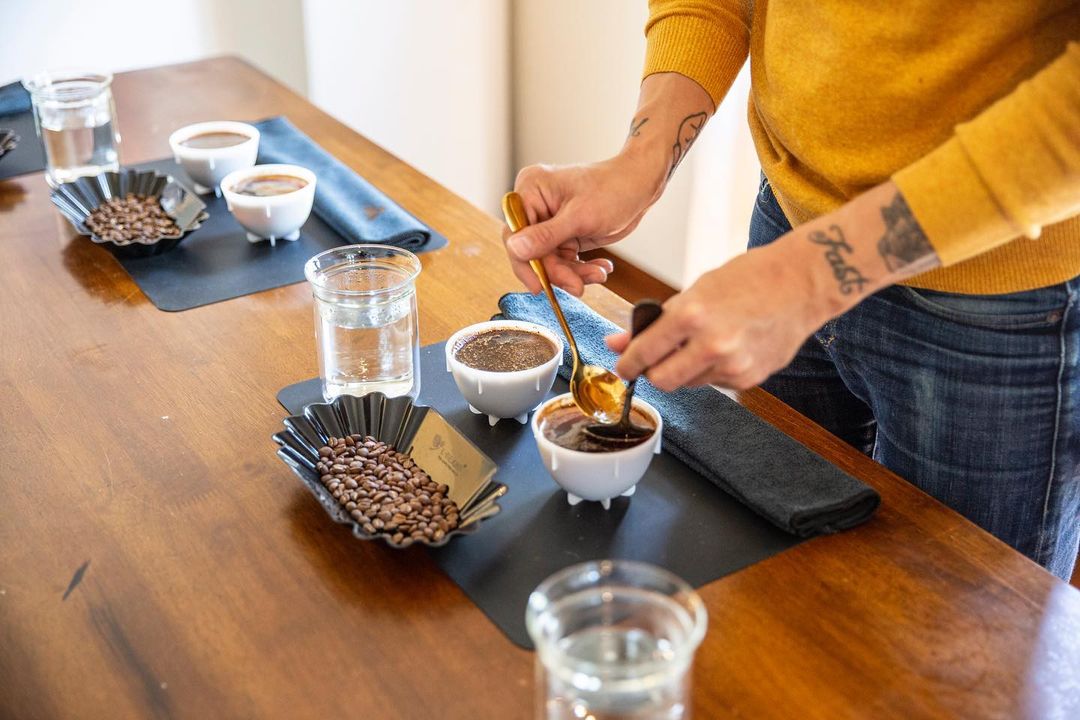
848,277
689,129
635,126
904,244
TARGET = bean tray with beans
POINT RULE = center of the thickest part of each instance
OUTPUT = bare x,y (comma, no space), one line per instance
132,217
385,492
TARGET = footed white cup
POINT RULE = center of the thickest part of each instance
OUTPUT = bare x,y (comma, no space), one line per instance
503,394
597,476
207,167
270,217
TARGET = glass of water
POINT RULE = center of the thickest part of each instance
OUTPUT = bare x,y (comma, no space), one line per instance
366,325
76,119
614,640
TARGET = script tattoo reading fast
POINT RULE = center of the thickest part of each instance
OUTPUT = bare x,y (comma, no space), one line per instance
847,275
904,242
689,129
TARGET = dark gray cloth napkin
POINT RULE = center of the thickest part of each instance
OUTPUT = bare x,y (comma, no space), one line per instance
348,203
14,99
765,469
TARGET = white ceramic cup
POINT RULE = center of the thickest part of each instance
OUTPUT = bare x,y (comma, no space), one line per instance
503,394
207,167
597,476
270,217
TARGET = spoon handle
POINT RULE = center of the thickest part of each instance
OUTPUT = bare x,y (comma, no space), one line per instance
514,210
644,314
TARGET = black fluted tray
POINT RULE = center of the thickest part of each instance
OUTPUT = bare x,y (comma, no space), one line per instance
676,519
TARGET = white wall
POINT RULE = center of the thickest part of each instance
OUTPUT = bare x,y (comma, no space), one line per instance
116,35
427,80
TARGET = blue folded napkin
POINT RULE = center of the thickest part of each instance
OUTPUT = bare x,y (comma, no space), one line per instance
14,99
353,207
765,469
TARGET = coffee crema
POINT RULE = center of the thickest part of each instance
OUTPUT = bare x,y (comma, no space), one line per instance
268,185
214,140
565,426
505,350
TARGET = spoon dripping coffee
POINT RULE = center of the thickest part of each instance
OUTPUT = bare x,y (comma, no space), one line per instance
644,314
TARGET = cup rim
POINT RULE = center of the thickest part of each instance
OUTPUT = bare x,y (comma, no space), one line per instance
187,131
477,328
311,269
538,603
283,168
38,83
639,404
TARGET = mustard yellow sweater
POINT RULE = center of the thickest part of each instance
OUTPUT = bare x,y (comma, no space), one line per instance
972,108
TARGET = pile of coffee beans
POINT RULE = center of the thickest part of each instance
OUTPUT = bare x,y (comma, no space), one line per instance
132,217
385,491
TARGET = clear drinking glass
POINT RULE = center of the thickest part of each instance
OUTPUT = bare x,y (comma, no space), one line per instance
366,325
75,117
614,639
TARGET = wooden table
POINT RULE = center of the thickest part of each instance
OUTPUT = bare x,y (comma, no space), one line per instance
159,561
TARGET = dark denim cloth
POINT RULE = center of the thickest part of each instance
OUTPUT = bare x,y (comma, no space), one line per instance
973,398
780,479
356,209
13,98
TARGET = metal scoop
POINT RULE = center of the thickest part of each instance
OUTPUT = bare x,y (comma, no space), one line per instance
597,392
645,314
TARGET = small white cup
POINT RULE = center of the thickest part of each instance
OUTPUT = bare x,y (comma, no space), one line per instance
503,394
270,217
597,476
208,166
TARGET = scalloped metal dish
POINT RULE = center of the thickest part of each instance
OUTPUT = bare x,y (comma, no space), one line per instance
417,430
77,199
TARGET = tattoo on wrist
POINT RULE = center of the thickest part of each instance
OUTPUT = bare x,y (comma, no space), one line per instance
689,129
848,277
904,244
635,126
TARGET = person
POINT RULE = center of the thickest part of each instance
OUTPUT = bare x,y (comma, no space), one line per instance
911,282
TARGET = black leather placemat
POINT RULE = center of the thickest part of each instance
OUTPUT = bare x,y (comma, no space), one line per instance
216,262
29,155
676,519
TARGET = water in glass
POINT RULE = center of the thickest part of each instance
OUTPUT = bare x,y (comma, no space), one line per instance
615,641
76,119
366,325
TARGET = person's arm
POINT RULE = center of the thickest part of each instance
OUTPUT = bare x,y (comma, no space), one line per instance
746,319
1009,171
694,51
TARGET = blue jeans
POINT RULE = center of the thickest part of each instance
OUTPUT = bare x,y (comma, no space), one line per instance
973,398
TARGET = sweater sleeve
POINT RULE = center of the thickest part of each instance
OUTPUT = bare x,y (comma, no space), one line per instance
1009,171
705,40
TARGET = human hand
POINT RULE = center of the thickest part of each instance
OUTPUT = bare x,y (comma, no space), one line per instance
734,327
577,208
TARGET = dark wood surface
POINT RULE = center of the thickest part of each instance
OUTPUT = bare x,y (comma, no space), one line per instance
159,561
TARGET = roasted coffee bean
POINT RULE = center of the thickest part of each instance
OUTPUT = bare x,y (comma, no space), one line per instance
385,492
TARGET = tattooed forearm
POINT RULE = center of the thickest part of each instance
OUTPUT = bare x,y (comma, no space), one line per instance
689,129
904,244
849,277
635,126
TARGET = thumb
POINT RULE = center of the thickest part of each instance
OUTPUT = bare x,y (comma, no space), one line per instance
536,241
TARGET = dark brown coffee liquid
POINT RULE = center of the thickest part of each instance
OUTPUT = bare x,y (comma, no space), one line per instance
212,140
266,185
505,350
565,426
